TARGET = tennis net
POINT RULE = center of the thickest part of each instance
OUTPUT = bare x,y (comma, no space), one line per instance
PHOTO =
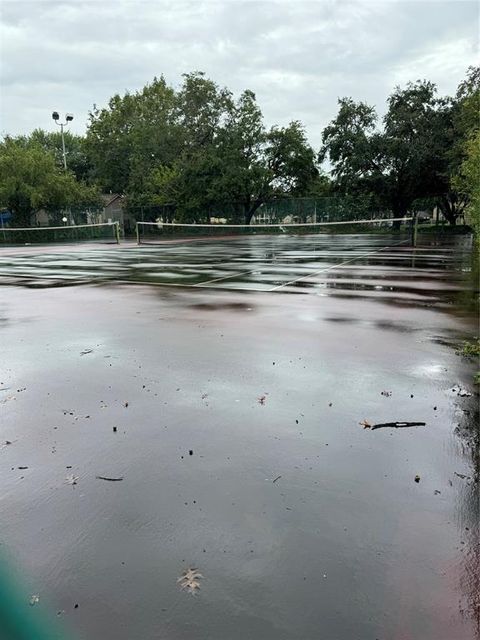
105,231
158,232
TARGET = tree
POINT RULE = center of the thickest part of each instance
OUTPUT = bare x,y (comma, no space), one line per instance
132,135
463,151
257,164
401,161
31,180
78,161
197,150
467,181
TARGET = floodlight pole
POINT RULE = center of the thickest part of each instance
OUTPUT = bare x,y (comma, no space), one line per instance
68,118
63,149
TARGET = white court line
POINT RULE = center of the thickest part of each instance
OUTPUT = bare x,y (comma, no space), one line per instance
335,266
205,284
186,286
227,288
237,273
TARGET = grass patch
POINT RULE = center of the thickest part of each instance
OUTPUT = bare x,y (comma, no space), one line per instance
470,350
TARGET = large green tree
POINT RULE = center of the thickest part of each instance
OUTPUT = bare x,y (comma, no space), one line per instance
30,180
467,180
197,151
257,164
399,160
462,155
78,161
133,134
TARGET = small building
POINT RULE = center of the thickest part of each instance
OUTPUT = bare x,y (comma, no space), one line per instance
114,210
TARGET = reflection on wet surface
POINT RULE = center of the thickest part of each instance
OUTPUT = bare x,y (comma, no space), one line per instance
303,523
367,265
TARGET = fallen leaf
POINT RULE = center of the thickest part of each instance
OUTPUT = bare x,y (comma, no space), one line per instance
190,580
71,479
365,424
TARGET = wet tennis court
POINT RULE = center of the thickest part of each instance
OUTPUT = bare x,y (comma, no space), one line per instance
229,386
288,264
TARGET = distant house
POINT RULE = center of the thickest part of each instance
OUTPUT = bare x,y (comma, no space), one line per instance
114,211
41,218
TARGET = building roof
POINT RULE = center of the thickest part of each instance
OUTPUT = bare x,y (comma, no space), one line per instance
110,198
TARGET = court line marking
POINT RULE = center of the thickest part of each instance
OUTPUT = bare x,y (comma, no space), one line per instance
206,283
237,273
308,275
246,273
188,286
335,266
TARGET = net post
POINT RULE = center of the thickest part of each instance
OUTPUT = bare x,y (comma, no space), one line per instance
137,232
414,229
117,231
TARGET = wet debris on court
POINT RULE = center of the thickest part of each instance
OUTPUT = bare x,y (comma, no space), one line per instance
85,352
365,424
34,599
462,393
190,580
262,399
109,478
392,425
387,394
71,479
462,476
417,478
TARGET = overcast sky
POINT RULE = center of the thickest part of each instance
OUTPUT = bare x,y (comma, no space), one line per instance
297,56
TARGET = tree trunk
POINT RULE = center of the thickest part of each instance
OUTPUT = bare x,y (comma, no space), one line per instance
250,210
399,210
451,209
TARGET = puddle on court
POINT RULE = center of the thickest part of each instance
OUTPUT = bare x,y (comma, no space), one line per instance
365,264
303,524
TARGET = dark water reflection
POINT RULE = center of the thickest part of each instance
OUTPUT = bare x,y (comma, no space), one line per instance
468,510
366,265
345,545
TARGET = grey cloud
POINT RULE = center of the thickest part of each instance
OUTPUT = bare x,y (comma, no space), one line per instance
298,57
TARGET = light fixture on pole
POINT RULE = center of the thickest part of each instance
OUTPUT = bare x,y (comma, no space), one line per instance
68,118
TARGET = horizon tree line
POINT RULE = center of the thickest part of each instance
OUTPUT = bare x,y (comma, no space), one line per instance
199,149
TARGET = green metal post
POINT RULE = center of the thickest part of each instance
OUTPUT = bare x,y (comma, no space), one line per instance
137,233
414,230
117,232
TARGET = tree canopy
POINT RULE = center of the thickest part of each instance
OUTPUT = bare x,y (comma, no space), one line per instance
196,151
30,179
397,160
